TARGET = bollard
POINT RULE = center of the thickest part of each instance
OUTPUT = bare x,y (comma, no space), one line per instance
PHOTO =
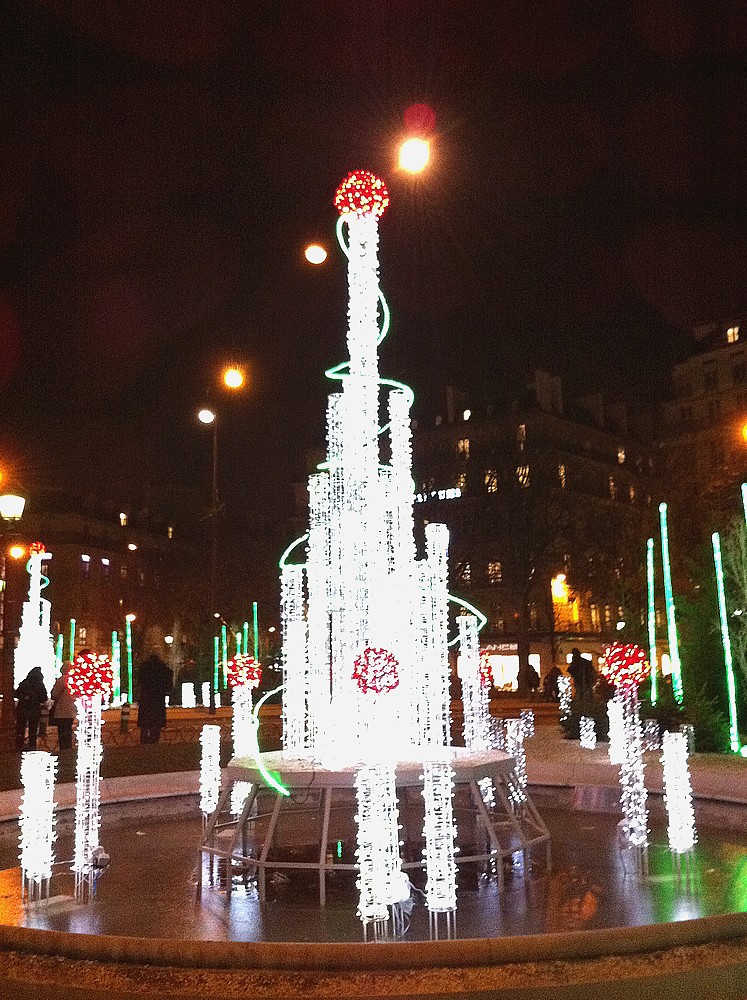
124,717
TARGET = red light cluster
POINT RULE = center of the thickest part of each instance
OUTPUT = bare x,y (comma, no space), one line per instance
625,665
89,675
486,671
362,193
376,671
243,671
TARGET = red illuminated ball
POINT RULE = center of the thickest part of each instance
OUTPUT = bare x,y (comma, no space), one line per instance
362,193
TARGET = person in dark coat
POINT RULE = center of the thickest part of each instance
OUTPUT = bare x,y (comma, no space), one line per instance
583,674
550,685
31,695
64,709
155,684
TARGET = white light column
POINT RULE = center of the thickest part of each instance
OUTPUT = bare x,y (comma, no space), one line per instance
36,823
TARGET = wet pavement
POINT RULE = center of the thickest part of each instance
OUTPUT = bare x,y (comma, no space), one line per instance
151,888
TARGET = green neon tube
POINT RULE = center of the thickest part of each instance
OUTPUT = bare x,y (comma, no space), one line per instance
730,685
58,654
674,652
255,623
246,637
128,647
293,545
116,666
238,643
72,640
268,778
216,662
652,657
224,652
482,619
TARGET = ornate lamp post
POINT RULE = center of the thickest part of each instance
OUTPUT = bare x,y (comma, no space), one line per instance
11,511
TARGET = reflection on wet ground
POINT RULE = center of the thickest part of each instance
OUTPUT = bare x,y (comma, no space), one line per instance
151,889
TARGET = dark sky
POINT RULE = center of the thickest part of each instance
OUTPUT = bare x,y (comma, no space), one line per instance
163,164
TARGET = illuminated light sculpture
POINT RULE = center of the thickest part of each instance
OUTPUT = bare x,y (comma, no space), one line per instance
36,824
726,642
365,644
564,697
439,833
475,674
89,682
116,667
616,745
651,735
35,642
674,649
627,667
527,721
129,619
588,733
679,801
209,769
515,747
379,865
652,655
244,675
205,694
189,699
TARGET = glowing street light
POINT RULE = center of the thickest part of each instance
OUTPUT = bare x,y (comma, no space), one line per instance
414,155
16,551
233,377
206,416
11,507
315,254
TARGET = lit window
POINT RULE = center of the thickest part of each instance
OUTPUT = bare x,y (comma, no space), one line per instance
123,519
85,564
461,481
613,487
607,615
463,447
522,474
123,571
620,454
104,566
732,335
467,414
495,571
595,623
631,493
465,572
85,559
169,532
533,616
491,480
104,561
83,633
521,436
561,476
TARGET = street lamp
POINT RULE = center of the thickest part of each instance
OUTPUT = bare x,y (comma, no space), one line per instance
11,511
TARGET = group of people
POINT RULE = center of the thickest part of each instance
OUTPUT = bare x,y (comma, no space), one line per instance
31,697
580,670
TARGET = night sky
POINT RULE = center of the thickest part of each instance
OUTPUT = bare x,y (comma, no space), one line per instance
163,165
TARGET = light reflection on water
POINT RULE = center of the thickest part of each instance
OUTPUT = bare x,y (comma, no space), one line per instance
150,889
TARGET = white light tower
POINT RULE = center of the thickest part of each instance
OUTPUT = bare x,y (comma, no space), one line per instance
35,642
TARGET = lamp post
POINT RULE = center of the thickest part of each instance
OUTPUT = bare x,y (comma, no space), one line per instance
209,417
11,512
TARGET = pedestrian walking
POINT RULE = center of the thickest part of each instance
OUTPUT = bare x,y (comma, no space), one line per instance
63,710
155,684
31,695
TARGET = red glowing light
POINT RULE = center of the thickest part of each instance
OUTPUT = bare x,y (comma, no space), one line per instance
485,671
243,671
625,665
375,671
36,547
89,675
420,118
362,193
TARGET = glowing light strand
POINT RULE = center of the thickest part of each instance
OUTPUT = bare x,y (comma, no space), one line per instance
209,769
678,794
726,641
652,654
674,650
37,824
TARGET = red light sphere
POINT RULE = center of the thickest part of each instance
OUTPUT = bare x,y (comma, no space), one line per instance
362,193
89,675
625,665
243,671
376,671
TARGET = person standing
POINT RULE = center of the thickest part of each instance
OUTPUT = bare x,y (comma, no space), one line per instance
550,686
31,695
63,706
155,684
583,674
